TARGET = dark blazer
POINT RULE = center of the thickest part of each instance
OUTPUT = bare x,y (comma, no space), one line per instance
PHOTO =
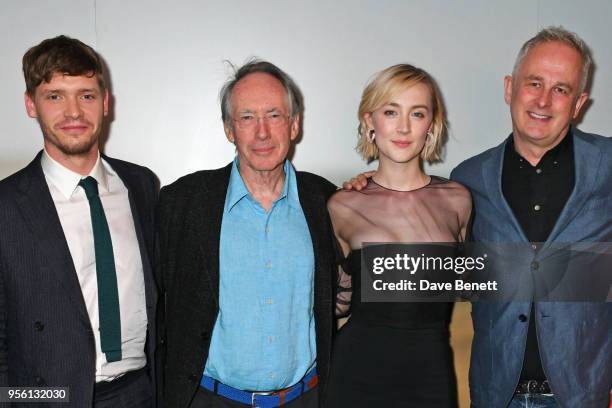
575,339
190,213
46,337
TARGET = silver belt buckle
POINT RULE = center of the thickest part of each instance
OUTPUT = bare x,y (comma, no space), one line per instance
254,394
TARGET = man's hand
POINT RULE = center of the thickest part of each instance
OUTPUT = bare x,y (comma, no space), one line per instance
359,181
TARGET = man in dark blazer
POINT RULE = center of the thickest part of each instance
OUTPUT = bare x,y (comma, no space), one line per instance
77,292
248,262
547,185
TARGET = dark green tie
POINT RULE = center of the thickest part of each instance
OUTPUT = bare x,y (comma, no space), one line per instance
108,296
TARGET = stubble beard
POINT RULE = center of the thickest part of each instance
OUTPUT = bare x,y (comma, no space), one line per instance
78,148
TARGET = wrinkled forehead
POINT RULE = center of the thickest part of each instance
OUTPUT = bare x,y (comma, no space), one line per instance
554,55
259,91
65,79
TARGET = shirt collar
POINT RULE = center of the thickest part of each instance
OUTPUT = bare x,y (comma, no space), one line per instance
237,190
560,151
67,181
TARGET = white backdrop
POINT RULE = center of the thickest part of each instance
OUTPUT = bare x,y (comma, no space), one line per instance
166,66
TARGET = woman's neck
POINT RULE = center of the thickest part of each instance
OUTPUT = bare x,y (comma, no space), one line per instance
401,176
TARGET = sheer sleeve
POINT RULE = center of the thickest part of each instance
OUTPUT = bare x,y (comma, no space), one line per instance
344,289
461,201
466,228
340,215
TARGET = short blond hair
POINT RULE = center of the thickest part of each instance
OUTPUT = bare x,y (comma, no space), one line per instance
381,89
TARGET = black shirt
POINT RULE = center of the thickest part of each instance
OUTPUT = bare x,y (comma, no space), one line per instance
537,195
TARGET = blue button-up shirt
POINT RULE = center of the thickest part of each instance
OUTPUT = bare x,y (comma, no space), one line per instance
264,336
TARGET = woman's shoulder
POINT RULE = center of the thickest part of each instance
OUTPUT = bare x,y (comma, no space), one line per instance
454,192
343,200
452,186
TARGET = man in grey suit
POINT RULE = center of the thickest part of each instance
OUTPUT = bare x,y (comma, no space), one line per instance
77,292
547,184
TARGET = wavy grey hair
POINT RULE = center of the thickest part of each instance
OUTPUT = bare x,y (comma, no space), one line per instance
560,34
295,99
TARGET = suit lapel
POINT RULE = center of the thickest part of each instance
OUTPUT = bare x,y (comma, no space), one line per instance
142,224
40,215
313,203
492,176
314,218
587,158
206,220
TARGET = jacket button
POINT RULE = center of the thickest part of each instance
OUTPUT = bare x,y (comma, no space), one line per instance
39,381
193,378
535,265
38,326
162,340
522,318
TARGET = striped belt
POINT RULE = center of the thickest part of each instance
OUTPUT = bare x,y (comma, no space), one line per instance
270,399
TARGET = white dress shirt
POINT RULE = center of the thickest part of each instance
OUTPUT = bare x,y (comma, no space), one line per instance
73,209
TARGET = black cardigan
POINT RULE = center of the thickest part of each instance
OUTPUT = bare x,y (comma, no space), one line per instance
190,213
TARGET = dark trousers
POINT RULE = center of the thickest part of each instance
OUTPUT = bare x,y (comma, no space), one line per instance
133,390
206,399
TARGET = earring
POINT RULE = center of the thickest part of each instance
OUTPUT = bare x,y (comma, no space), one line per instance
371,136
430,136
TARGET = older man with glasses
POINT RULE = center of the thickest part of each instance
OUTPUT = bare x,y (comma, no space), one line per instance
248,262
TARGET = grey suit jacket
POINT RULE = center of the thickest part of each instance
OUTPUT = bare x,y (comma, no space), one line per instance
575,339
46,338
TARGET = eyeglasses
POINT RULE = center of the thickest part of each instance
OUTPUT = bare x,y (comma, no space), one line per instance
247,121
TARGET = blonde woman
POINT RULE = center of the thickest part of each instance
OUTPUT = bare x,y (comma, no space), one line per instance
397,354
